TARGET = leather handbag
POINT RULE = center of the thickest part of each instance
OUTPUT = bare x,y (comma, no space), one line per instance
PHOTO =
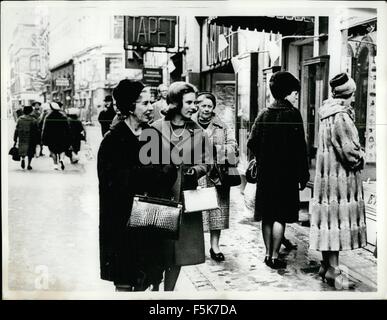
251,172
14,152
160,215
200,199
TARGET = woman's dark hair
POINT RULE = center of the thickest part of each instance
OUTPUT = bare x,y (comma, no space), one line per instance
283,83
27,110
175,97
126,94
208,95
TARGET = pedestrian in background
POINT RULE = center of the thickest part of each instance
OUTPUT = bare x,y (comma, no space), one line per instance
107,115
178,132
56,134
278,143
337,208
77,134
36,110
130,258
26,136
225,151
45,111
160,107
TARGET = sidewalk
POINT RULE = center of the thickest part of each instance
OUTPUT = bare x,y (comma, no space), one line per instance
244,269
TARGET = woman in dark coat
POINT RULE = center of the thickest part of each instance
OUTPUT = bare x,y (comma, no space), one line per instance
77,134
183,139
56,134
27,134
130,259
278,143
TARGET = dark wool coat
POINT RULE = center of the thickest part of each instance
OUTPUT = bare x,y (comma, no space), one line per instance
27,133
127,256
337,208
105,118
77,133
189,248
278,143
56,132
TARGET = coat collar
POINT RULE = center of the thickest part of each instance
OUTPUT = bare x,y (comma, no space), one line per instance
164,127
122,131
332,106
281,104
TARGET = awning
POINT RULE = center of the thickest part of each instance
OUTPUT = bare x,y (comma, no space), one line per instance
285,25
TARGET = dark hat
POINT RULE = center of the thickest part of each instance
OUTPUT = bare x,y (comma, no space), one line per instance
27,109
126,93
108,99
343,86
208,95
283,83
37,102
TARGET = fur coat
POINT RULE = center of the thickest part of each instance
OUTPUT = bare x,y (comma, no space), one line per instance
337,208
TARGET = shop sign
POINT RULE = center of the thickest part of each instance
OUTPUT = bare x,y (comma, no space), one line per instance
62,82
213,53
149,31
152,76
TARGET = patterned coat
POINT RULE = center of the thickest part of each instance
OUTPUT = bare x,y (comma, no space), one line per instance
27,133
337,209
225,146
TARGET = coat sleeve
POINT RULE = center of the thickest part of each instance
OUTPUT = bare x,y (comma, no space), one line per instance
302,163
202,168
256,132
16,133
345,140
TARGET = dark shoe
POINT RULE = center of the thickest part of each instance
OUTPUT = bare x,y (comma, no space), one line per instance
267,261
277,264
323,270
62,165
29,168
23,164
216,256
334,277
288,245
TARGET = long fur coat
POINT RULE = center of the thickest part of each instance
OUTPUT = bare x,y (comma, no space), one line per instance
337,208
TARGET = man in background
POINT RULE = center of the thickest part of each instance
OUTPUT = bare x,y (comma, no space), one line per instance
107,115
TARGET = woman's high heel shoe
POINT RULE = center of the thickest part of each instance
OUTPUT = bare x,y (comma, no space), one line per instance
334,277
323,269
216,256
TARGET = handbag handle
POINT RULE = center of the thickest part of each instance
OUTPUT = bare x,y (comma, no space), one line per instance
160,201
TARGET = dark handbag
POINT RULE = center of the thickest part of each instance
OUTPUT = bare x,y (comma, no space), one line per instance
14,152
251,172
228,175
160,215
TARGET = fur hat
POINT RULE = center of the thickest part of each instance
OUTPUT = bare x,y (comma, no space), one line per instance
126,93
342,86
283,83
108,99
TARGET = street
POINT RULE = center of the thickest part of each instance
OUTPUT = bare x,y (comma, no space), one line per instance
53,239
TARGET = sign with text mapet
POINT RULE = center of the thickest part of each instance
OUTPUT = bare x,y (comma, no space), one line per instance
149,31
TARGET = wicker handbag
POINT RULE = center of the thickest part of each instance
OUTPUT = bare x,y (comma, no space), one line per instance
160,215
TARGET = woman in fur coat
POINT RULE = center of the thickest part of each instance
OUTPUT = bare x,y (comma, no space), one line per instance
337,208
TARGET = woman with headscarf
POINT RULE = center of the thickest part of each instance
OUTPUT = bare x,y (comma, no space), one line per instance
131,259
56,134
337,208
278,143
225,151
27,134
183,143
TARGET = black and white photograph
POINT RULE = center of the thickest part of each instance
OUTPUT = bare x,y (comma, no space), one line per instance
193,149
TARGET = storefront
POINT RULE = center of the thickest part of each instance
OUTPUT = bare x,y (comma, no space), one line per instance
62,84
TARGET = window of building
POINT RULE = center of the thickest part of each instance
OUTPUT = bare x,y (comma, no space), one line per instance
118,27
34,63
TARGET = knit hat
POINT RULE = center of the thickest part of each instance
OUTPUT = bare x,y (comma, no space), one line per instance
126,93
342,86
283,83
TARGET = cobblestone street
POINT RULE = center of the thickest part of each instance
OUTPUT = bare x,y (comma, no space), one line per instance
53,230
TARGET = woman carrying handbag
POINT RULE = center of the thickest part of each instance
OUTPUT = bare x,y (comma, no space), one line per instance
223,174
183,144
130,258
